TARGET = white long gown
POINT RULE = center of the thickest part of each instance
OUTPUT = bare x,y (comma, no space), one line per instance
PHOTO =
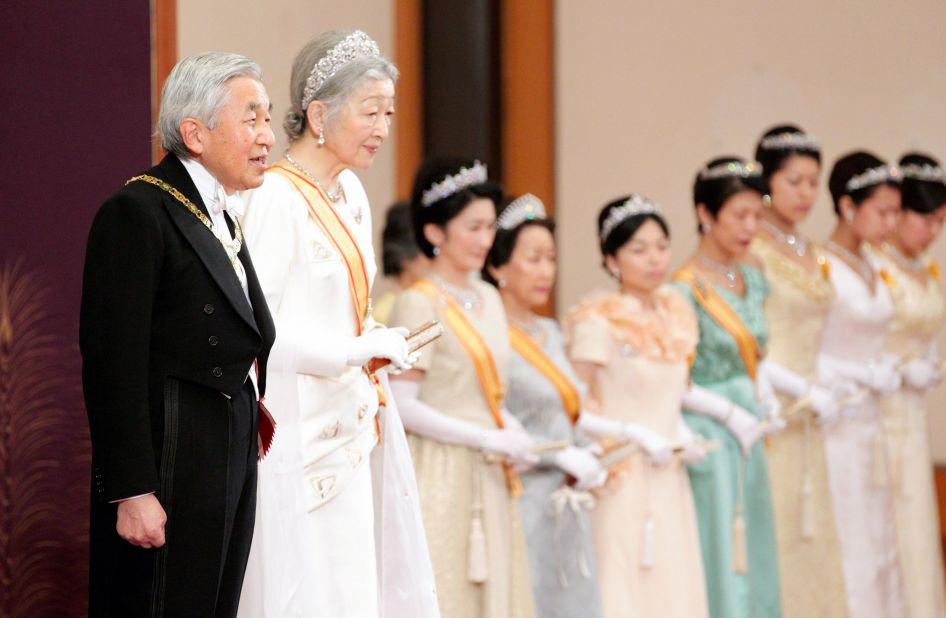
315,545
858,474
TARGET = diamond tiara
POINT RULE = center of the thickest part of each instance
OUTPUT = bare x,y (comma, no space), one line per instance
635,205
927,172
355,45
790,140
466,177
874,176
733,169
525,208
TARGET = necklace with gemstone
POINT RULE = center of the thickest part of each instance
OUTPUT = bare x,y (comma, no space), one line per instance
533,328
856,261
796,241
469,298
907,263
730,273
334,196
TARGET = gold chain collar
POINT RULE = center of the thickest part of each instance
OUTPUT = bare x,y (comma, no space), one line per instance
231,249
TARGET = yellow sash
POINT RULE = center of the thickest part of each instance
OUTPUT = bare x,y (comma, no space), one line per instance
321,211
481,358
533,354
717,307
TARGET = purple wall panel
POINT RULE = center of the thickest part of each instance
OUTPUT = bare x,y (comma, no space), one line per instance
76,120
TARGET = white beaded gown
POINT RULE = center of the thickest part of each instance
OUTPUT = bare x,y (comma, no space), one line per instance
858,473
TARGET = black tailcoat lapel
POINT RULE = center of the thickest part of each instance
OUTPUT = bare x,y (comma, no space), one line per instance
205,244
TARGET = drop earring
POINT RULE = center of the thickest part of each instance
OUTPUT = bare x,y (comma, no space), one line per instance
616,275
767,200
321,140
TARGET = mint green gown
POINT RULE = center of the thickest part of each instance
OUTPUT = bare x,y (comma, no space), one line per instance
719,368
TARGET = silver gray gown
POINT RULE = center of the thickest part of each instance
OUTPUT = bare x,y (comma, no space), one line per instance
558,534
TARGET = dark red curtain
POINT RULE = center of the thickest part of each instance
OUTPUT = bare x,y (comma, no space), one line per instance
75,118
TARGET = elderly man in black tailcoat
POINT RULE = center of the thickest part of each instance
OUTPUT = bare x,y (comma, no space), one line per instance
175,334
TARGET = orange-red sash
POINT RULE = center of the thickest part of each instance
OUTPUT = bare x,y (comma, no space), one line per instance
533,354
481,358
717,307
342,238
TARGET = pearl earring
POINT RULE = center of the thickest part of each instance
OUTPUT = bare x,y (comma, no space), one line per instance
848,216
705,228
321,140
767,200
616,274
436,251
501,283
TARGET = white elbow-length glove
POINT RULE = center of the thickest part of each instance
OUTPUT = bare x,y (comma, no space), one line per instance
880,376
512,443
389,343
693,449
658,448
584,467
822,400
744,427
921,373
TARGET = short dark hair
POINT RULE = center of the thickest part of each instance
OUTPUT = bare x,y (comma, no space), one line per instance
713,193
922,196
443,210
397,239
846,168
505,242
625,230
773,159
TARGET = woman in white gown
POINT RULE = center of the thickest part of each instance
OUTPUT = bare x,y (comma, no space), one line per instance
866,193
314,547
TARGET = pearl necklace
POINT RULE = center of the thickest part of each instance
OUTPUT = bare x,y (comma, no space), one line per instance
728,272
796,241
333,196
856,261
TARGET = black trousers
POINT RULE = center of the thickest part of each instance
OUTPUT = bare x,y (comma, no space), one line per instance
208,489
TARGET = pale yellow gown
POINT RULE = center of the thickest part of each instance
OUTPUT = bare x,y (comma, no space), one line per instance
647,543
809,556
919,316
449,477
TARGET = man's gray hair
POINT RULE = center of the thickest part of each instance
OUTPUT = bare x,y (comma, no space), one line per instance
197,88
338,89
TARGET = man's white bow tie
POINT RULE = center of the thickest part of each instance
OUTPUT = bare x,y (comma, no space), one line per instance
231,204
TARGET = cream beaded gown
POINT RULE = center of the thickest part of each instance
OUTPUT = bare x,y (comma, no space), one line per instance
919,316
452,478
809,556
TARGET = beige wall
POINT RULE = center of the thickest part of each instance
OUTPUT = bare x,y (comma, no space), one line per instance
272,33
648,91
